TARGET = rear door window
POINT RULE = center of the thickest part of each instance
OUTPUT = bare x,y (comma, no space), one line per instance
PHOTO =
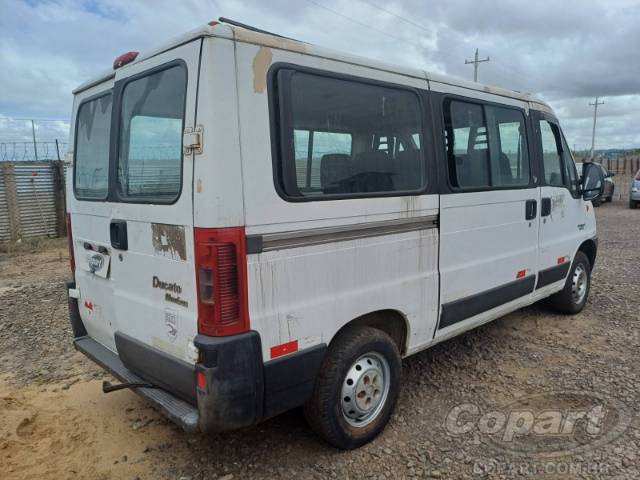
91,170
150,140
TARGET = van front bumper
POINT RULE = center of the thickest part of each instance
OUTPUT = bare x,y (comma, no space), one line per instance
240,389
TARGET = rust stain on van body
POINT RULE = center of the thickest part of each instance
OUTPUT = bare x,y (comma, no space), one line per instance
261,63
169,241
267,40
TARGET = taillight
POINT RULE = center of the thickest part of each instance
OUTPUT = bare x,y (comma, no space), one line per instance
221,275
72,258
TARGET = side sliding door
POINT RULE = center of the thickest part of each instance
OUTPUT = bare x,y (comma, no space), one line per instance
488,211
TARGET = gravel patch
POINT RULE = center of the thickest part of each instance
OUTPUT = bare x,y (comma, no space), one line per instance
527,354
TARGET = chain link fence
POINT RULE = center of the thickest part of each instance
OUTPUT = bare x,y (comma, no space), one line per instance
20,151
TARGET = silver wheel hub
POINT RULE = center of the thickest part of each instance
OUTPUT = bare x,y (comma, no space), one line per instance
579,284
365,389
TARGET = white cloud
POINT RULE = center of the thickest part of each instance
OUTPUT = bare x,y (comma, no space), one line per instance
567,52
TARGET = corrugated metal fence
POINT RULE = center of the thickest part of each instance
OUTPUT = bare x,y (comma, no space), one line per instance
32,202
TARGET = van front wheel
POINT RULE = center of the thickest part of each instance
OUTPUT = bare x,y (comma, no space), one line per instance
573,297
357,388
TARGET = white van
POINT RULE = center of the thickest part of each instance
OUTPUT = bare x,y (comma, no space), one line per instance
257,224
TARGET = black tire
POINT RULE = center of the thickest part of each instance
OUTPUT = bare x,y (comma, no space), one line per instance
633,205
610,199
597,202
324,410
565,301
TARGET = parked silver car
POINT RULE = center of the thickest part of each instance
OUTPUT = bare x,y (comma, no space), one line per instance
634,191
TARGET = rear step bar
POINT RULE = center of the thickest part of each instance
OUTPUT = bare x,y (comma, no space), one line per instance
178,411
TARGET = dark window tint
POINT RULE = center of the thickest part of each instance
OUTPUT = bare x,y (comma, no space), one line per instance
486,146
551,154
347,138
150,152
91,167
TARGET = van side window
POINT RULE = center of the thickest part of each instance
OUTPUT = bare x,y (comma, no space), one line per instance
150,148
508,147
347,138
551,154
486,146
91,169
467,145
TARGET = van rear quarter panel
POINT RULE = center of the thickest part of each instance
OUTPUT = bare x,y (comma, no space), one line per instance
217,190
308,293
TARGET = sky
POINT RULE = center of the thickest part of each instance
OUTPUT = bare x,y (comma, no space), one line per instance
564,51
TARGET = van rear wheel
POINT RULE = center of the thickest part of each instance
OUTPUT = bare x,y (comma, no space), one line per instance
357,388
573,297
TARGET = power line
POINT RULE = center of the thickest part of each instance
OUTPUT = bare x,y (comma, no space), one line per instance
476,62
450,37
362,24
400,17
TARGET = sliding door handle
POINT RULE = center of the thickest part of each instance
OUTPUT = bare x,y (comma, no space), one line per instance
531,209
545,207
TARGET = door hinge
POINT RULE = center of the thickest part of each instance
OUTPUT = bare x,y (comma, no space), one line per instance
192,140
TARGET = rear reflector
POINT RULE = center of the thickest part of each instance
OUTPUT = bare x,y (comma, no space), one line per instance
521,274
562,260
201,380
123,59
221,275
284,349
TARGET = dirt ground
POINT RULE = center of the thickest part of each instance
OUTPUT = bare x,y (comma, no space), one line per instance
55,423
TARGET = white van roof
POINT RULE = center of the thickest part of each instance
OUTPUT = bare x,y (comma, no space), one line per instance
248,35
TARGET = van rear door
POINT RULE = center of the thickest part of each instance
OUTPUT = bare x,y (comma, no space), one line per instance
134,242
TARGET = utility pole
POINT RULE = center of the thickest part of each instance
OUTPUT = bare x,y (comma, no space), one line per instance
35,145
475,62
595,115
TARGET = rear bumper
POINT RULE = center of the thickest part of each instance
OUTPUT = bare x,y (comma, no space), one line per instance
178,411
240,390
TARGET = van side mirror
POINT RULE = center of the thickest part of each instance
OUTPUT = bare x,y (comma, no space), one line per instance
592,182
